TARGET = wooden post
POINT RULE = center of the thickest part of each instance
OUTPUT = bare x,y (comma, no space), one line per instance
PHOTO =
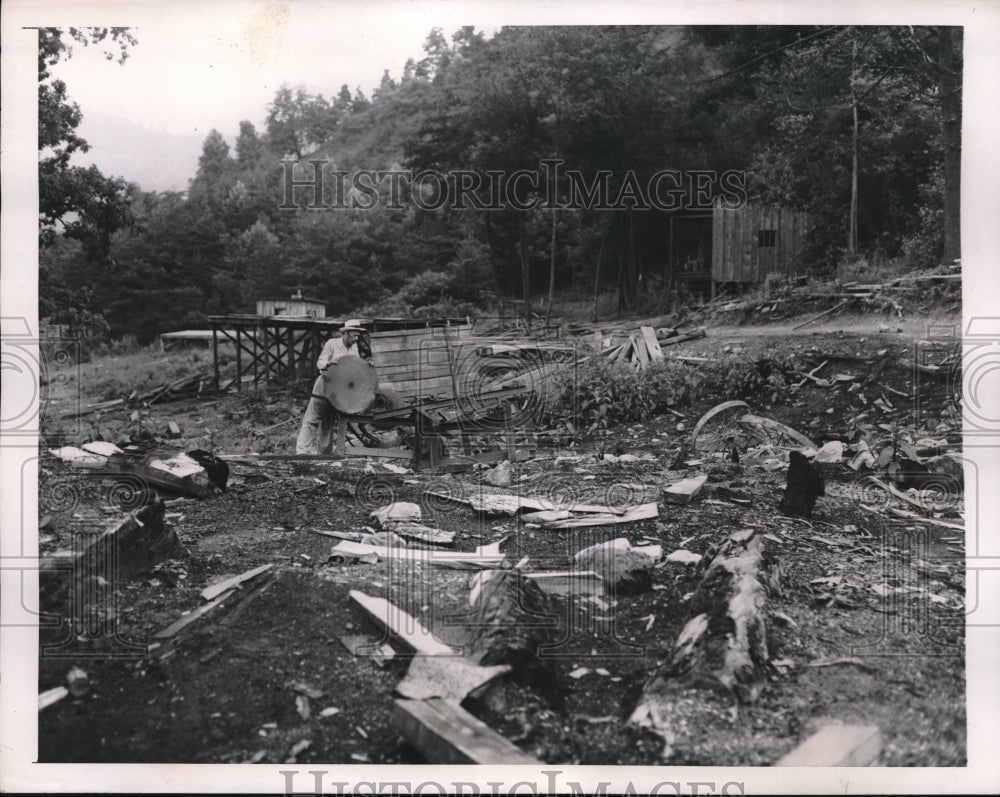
239,362
418,440
508,426
341,435
290,344
215,354
256,357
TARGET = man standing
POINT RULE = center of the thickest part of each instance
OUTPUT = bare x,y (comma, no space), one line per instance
316,434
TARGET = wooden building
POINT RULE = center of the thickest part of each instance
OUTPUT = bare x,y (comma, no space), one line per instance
297,306
752,241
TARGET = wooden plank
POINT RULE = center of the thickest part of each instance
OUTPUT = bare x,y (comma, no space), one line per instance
444,733
837,746
418,531
640,512
649,335
217,589
569,582
683,491
457,560
178,625
402,626
640,349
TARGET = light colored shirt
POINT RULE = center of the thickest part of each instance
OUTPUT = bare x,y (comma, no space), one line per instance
333,350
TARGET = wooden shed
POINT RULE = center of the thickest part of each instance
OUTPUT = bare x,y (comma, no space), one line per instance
752,241
297,306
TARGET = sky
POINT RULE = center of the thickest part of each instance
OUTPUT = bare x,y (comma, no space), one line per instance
195,69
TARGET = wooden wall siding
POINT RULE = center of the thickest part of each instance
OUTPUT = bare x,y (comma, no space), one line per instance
736,253
293,308
418,363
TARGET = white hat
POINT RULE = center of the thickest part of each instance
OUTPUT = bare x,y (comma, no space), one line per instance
354,325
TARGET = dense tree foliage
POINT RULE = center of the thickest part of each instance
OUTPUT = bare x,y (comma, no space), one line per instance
858,126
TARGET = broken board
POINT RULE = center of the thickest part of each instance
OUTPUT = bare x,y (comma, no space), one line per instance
217,589
683,491
444,733
837,746
640,512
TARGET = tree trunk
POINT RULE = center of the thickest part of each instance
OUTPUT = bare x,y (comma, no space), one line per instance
597,273
552,269
525,272
951,124
852,236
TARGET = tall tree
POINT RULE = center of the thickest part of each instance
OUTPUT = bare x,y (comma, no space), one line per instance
79,202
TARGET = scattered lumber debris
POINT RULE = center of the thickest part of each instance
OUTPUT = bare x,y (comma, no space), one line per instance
218,588
686,489
722,645
639,512
399,625
506,504
444,733
642,345
802,488
196,473
837,745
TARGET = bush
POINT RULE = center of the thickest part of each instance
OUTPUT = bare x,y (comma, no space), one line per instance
600,394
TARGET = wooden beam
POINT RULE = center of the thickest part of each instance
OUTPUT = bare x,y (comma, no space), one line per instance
444,733
837,746
180,624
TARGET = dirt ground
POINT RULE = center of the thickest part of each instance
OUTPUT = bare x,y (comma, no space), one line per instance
868,625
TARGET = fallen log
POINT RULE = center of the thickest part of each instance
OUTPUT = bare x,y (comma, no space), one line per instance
513,621
723,645
698,333
132,547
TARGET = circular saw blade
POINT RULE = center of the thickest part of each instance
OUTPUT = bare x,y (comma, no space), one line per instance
350,385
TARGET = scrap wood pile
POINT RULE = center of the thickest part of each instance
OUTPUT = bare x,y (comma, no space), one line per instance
887,297
636,343
193,386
